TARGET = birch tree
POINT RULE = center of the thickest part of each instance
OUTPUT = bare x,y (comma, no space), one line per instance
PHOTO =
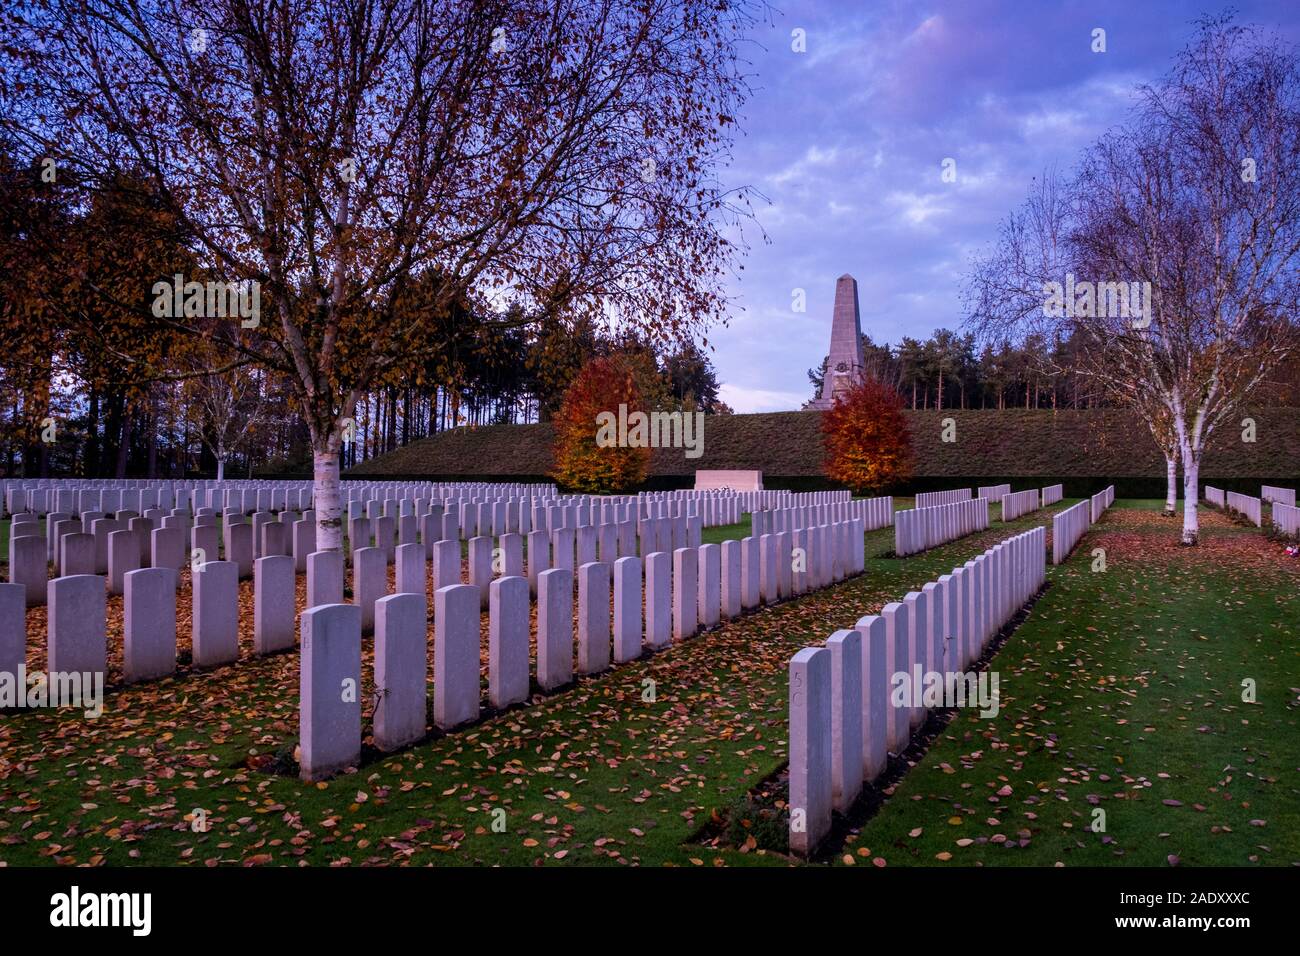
561,154
1193,208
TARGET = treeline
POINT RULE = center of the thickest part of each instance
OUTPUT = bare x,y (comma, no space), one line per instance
78,399
952,370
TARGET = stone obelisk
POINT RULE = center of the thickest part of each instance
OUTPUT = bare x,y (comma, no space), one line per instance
844,367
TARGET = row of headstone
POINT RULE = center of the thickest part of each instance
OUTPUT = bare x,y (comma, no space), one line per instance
1052,494
919,529
1019,503
992,491
76,632
703,584
846,713
928,499
681,593
1101,501
875,513
1215,496
1069,524
1248,506
94,543
1277,496
77,495
1286,518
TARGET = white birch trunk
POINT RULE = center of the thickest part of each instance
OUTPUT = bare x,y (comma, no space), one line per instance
1171,482
328,499
1191,492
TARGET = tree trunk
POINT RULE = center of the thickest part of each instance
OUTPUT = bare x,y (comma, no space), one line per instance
91,464
1191,495
151,468
124,443
1171,481
326,493
221,466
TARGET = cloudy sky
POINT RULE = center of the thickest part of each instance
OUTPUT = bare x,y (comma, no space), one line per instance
846,142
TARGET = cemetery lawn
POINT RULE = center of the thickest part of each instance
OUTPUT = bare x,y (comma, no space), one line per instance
1121,691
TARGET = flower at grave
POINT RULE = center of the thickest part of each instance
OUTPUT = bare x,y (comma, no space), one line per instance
868,445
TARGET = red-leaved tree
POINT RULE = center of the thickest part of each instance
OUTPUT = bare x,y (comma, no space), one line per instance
868,445
582,463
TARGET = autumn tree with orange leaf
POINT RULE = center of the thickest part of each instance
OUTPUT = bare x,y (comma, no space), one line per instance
868,445
347,155
581,463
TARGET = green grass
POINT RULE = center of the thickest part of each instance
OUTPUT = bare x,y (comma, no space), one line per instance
1119,670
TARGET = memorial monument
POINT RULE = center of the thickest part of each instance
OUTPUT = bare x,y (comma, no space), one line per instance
844,367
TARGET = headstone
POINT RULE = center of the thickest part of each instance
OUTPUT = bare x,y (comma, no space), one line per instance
358,534
411,569
28,566
329,709
846,717
239,548
215,618
167,550
369,583
562,549
386,537
274,539
685,583
205,544
512,555
77,554
141,528
401,667
456,655
784,558
731,579
13,630
768,568
123,556
480,565
875,696
750,570
407,529
896,644
61,530
658,600
325,573
554,628
304,543
75,641
446,563
275,599
810,749
918,607
709,587
539,557
149,623
593,618
627,609
508,641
